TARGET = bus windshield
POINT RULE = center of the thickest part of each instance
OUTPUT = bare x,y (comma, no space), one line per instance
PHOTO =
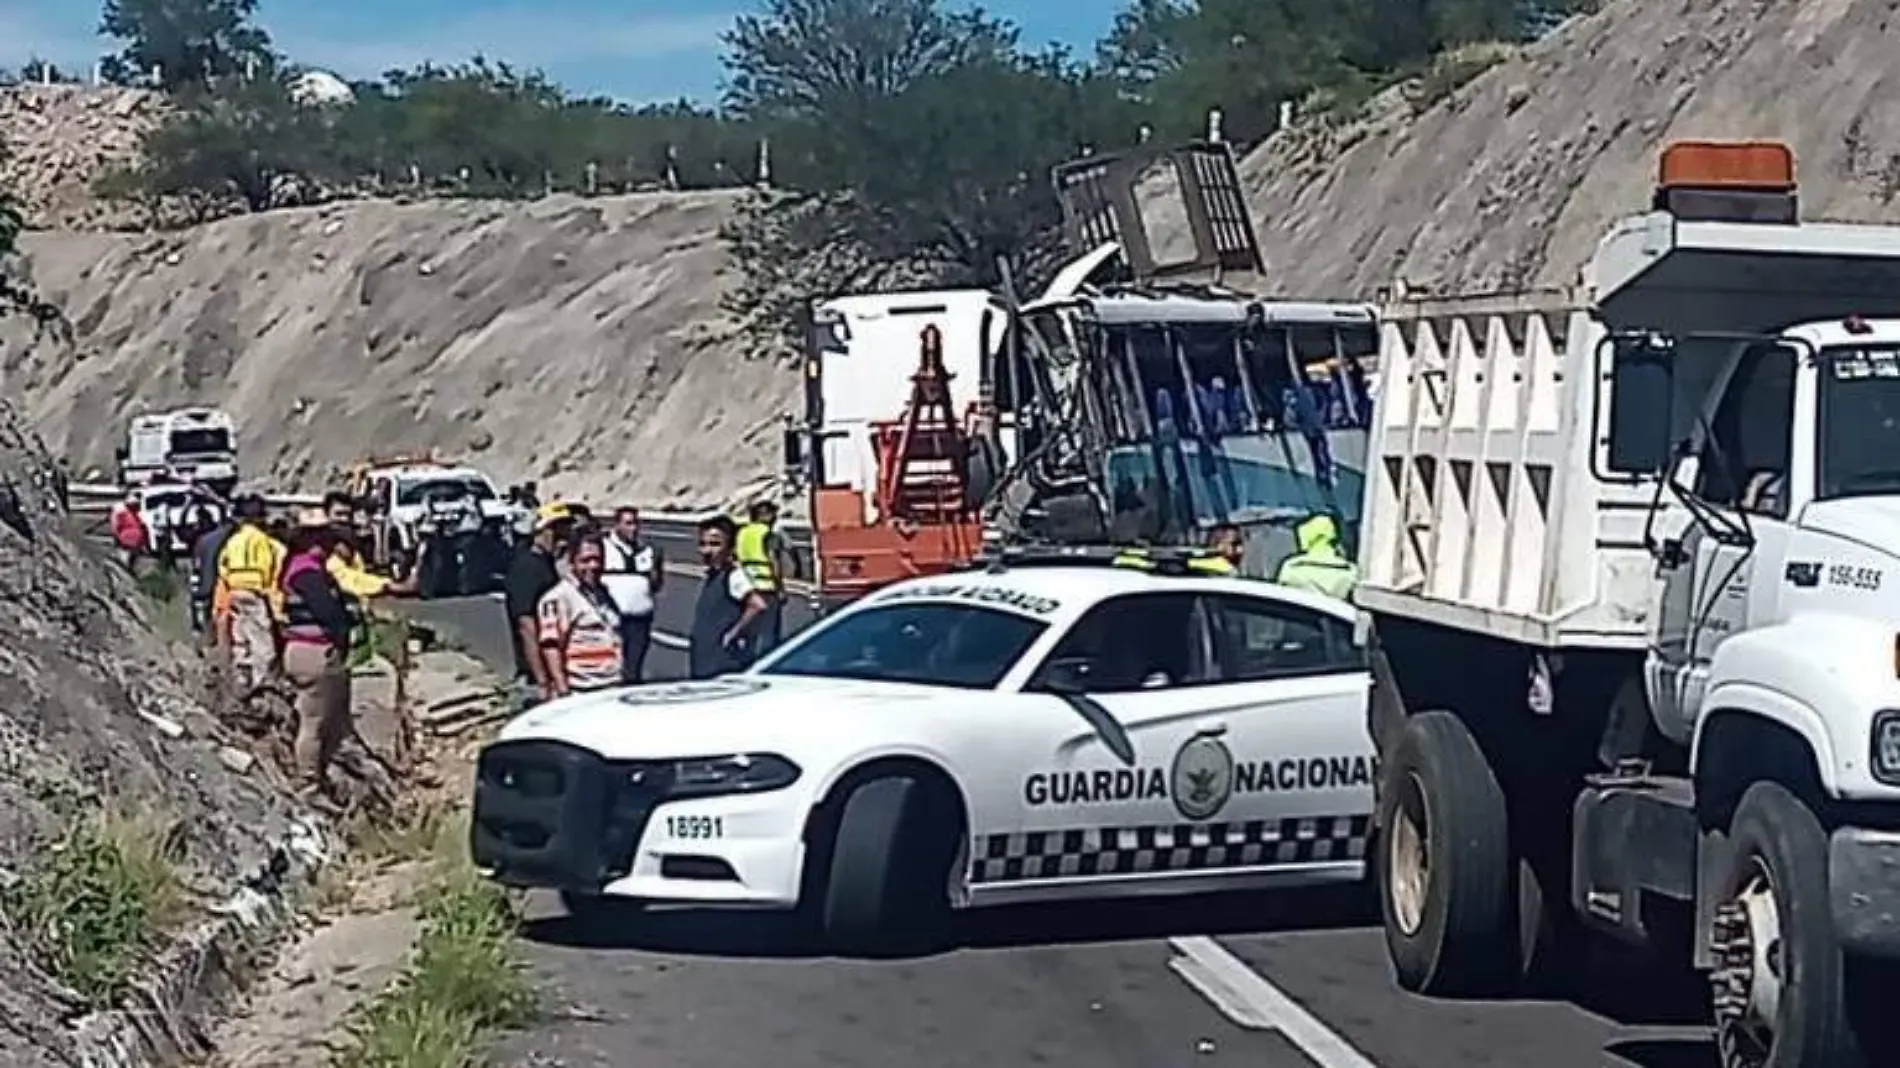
1232,422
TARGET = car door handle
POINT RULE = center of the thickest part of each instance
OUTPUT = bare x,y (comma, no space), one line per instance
1210,728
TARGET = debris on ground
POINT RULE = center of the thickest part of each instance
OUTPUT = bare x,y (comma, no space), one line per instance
400,916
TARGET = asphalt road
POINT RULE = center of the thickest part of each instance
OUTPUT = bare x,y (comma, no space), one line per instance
1288,982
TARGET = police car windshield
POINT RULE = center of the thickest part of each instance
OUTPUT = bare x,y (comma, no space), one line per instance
930,644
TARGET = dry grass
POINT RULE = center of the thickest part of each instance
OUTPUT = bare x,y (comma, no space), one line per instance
464,979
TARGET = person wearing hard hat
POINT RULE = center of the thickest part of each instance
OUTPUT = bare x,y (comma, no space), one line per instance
1319,566
250,565
531,575
760,553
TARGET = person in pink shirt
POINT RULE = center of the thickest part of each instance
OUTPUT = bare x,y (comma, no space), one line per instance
129,530
317,628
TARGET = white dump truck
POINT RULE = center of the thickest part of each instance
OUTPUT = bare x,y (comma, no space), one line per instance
1631,581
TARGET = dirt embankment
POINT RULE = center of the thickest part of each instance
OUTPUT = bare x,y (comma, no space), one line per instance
1511,181
96,702
575,341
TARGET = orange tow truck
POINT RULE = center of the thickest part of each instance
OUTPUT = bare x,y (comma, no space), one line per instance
896,497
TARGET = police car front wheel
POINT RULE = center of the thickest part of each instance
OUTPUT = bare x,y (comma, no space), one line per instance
599,910
886,864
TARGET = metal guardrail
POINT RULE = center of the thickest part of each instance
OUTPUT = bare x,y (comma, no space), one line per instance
106,493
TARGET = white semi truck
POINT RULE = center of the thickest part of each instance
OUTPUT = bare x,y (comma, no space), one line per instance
1631,581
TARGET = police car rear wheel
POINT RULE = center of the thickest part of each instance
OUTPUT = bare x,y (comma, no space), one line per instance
1444,867
890,853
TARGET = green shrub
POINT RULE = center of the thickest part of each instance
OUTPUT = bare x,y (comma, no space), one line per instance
96,903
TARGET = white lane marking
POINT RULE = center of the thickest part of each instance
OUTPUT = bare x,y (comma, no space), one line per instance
1250,1001
671,641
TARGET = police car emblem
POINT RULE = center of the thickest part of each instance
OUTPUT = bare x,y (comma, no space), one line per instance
675,693
1202,778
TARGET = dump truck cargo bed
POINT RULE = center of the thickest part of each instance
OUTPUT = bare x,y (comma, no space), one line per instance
1489,506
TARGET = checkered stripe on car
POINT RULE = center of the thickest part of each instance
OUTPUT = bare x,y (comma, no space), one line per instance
1031,855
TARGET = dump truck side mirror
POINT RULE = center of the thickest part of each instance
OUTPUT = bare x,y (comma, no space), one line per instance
1641,405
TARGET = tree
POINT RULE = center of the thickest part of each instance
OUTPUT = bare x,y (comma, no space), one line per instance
186,42
1247,57
805,59
957,166
37,71
917,143
929,126
248,141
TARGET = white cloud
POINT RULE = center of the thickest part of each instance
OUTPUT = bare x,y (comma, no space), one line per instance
521,37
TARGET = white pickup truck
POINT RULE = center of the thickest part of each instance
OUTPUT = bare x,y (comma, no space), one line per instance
1631,575
448,518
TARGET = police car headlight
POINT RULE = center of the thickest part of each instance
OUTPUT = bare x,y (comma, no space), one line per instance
1884,760
741,773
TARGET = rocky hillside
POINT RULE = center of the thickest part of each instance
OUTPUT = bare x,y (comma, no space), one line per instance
93,695
60,138
1511,181
574,341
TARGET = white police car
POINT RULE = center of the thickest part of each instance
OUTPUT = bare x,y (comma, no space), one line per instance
1034,730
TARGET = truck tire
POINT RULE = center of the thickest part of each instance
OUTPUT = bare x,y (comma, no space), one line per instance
884,891
1443,864
1776,888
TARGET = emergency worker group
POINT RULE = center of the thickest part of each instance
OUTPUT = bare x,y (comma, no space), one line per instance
1318,563
285,598
581,595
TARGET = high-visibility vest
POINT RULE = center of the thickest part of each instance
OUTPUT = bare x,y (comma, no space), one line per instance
755,556
1323,571
252,561
352,578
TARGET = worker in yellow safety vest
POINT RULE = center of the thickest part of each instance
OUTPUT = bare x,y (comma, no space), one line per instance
249,594
760,553
1319,566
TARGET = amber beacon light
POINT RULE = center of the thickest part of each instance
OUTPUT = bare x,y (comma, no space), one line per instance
1727,181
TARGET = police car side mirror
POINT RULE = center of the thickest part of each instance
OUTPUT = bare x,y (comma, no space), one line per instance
1070,675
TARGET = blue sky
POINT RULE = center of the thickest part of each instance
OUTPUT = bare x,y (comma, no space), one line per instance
637,49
